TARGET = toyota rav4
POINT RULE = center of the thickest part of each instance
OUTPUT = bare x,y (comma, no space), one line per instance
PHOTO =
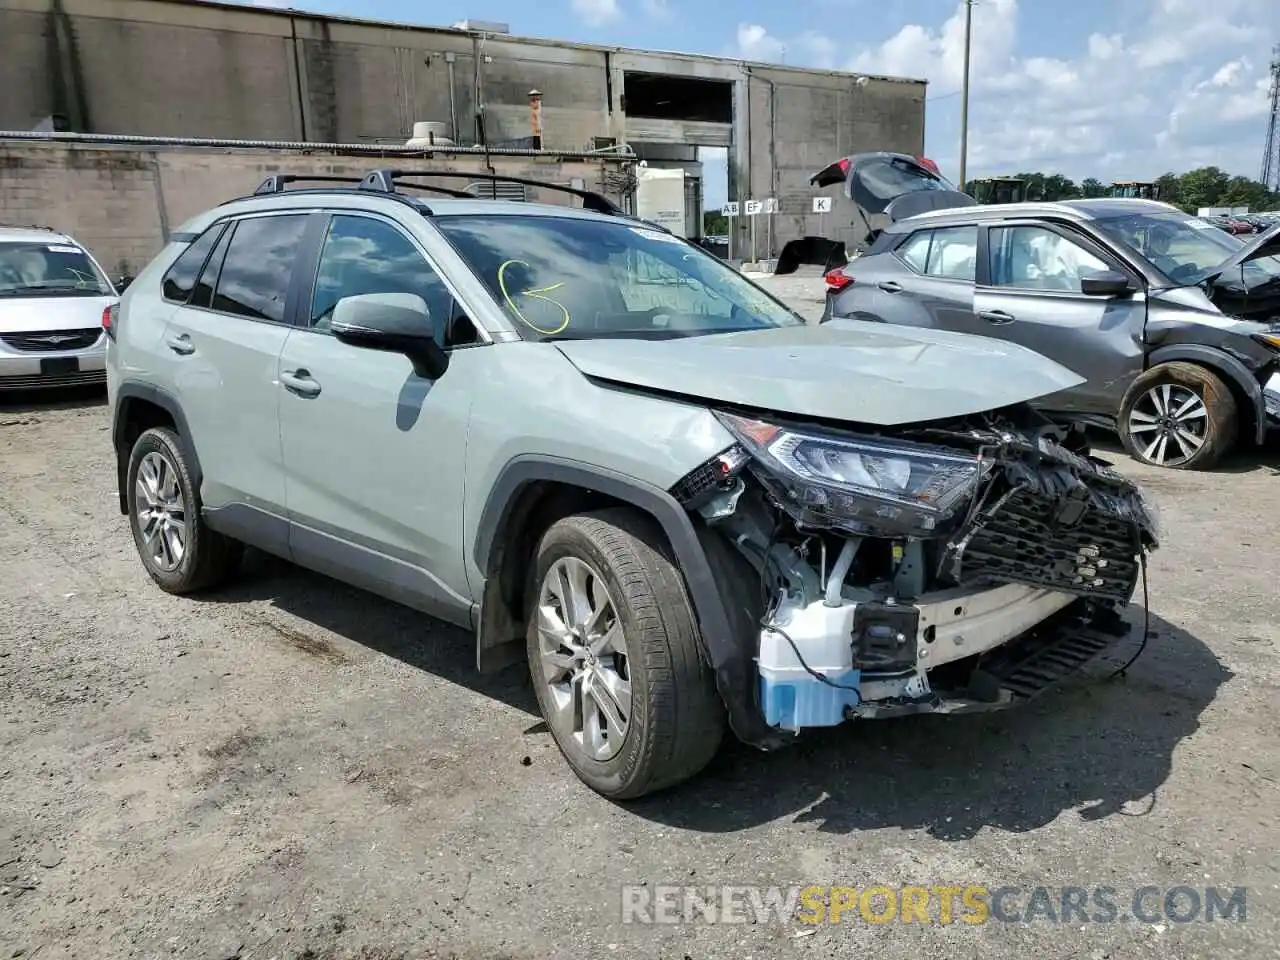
603,451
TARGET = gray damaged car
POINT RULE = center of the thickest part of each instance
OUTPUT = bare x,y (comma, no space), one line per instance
1174,324
605,453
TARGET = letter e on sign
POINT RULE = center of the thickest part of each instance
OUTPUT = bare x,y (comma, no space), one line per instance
753,207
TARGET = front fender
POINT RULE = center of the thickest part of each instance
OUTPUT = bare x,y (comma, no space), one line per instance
722,647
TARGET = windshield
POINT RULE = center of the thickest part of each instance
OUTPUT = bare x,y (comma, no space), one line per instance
48,269
569,278
1185,249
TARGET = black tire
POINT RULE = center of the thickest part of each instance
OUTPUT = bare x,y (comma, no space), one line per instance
1217,430
208,558
676,719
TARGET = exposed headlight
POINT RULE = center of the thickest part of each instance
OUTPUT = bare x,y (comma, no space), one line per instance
863,484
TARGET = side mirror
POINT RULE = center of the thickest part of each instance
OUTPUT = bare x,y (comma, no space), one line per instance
1107,283
121,283
395,322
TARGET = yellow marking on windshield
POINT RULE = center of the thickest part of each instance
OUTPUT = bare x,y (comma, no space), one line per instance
535,293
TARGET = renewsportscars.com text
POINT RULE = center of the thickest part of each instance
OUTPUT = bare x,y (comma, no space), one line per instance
971,904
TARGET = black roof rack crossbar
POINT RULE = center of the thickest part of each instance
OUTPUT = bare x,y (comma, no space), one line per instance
278,181
444,191
384,181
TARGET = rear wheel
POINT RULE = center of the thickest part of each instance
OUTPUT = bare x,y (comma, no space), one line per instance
181,554
613,652
1179,415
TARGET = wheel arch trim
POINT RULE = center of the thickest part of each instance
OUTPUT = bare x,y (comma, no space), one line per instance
132,390
722,649
1224,365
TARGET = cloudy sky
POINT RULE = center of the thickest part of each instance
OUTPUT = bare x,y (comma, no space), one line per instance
1116,89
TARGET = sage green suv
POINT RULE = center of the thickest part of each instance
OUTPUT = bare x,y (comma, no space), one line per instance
603,451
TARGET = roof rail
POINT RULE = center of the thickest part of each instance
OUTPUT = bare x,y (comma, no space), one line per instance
384,181
41,226
278,181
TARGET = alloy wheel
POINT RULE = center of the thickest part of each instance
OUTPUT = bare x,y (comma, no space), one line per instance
583,659
1169,424
161,512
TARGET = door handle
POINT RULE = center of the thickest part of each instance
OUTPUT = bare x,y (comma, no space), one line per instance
300,382
890,286
181,344
996,316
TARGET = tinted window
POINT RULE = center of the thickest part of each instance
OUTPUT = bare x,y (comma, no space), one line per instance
580,278
1034,258
202,295
181,277
363,255
950,253
254,281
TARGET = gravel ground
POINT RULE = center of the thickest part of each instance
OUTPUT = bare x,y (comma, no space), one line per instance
293,769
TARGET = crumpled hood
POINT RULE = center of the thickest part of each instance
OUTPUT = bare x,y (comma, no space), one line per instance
28,314
849,370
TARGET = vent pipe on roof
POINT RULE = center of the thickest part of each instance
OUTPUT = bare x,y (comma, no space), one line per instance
535,118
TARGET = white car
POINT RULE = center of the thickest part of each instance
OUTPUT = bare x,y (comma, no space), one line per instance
53,298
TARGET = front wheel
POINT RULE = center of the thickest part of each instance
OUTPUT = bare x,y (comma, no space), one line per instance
1179,415
613,652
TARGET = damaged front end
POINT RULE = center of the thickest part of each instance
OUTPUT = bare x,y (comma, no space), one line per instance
944,567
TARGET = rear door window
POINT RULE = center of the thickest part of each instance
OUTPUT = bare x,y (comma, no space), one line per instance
255,275
948,253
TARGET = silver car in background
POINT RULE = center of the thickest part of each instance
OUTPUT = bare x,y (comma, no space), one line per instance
53,297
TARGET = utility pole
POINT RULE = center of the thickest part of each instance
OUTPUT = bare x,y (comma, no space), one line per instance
1271,150
964,96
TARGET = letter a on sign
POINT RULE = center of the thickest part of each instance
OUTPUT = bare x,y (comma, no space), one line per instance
730,209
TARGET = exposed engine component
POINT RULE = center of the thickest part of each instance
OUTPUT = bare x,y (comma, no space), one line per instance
949,544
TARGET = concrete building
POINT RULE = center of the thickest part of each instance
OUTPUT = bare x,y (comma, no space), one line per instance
182,68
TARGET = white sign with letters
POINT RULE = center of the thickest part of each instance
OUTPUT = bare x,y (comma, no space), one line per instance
753,207
730,209
821,204
770,205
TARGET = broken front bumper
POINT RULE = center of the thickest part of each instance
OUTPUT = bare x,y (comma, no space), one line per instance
974,651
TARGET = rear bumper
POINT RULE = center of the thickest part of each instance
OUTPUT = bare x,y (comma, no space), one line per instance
31,370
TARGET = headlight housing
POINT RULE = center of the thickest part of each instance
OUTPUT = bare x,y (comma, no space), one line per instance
862,484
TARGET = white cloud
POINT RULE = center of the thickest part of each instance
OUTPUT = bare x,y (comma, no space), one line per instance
1183,84
754,42
657,9
597,12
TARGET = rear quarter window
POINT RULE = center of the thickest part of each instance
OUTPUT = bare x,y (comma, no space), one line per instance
180,279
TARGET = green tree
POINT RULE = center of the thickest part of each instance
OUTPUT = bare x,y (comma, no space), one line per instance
714,223
1091,187
1170,185
1244,192
1203,187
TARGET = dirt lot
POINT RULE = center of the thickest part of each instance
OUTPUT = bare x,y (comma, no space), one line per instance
293,769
